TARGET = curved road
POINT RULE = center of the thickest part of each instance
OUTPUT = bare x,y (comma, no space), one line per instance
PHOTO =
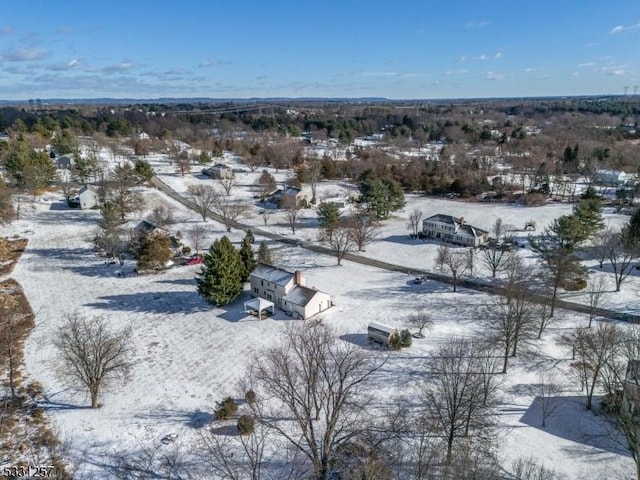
474,284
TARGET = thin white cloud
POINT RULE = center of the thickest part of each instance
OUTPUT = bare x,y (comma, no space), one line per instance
477,24
390,74
612,70
462,71
530,69
587,64
498,55
73,64
24,55
575,74
7,30
493,76
482,57
212,63
621,28
123,66
463,58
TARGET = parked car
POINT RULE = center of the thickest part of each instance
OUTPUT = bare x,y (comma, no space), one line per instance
195,260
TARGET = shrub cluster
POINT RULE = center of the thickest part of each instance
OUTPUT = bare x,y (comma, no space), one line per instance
225,409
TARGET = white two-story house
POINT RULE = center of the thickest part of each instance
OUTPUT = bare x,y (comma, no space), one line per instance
447,228
287,290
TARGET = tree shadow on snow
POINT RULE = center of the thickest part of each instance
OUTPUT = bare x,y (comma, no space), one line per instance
196,419
571,421
153,302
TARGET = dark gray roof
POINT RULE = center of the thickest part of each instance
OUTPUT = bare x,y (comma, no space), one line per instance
464,229
272,274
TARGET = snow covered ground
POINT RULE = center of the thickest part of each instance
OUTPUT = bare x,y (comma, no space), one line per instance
188,354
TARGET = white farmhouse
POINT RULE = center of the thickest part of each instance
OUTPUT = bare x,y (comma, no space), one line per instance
287,290
219,171
611,177
453,230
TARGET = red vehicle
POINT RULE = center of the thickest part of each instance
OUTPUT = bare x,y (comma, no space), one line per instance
195,260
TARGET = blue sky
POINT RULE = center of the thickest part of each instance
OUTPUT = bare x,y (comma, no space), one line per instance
351,48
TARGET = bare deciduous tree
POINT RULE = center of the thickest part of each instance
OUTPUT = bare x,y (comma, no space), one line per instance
594,348
162,216
420,319
265,214
291,212
310,391
460,394
234,457
203,198
621,253
361,231
414,222
182,163
91,354
511,319
227,184
495,259
340,241
596,297
548,391
229,210
196,235
454,262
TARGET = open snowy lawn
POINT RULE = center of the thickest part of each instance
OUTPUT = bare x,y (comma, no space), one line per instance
189,354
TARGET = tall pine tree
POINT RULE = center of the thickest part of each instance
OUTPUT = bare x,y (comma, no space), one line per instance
247,258
264,254
219,280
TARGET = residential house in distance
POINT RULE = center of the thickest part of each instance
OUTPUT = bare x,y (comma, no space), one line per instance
293,194
611,177
219,171
447,228
287,290
86,198
63,162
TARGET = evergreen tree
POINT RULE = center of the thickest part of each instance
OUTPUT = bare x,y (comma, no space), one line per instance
589,214
154,251
110,225
381,196
329,217
264,254
85,169
143,169
247,258
219,279
249,236
632,231
28,168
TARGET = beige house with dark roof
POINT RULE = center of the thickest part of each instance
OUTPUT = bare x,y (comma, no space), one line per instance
287,290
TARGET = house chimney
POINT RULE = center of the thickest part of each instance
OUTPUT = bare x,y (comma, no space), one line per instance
298,280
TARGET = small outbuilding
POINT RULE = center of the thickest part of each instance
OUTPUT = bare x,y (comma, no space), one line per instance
86,198
379,333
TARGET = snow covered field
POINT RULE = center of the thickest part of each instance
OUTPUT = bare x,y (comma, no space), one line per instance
188,355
